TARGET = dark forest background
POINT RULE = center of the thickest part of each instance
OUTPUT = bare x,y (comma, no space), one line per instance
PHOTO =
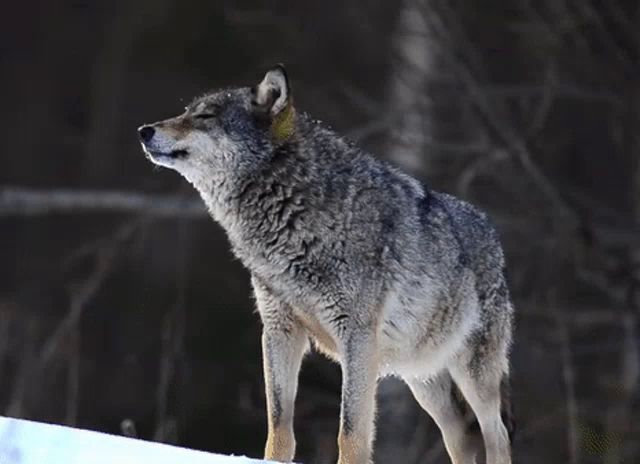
121,307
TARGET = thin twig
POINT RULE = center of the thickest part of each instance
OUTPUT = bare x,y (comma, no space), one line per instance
172,344
568,377
73,378
22,378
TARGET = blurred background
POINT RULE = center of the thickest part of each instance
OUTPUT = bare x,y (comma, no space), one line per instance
121,307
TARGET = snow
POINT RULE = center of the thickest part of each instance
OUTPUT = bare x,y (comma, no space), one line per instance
27,442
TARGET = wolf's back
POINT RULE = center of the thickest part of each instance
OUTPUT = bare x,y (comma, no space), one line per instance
476,237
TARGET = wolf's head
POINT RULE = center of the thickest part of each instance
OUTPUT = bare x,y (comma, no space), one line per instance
230,131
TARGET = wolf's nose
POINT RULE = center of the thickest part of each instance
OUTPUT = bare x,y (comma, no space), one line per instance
146,132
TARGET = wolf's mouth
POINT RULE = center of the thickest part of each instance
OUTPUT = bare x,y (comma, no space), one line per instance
171,154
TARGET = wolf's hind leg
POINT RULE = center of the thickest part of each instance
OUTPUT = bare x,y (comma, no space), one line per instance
437,396
482,390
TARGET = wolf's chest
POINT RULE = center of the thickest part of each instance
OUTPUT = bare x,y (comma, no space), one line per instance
321,335
311,305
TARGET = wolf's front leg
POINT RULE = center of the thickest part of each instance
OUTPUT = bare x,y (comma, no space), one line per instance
282,355
359,381
284,343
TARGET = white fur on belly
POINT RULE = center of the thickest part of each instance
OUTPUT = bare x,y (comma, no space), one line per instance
412,342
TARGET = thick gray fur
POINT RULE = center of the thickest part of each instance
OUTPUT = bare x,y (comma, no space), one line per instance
380,273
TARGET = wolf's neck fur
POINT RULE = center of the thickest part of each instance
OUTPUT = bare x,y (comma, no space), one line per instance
308,184
260,211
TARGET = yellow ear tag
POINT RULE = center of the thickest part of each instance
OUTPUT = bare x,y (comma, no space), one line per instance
283,123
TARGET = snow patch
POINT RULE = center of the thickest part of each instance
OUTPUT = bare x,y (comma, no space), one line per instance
27,442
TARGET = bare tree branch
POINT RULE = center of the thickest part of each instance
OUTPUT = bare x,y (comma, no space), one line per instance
29,202
443,22
35,362
83,292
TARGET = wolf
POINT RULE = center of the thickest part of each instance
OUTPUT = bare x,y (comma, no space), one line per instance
349,254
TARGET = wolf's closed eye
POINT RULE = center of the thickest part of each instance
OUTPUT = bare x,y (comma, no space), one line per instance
205,116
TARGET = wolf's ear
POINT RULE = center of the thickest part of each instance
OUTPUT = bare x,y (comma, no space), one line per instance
273,94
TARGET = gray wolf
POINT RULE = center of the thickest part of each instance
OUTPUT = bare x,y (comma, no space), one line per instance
351,255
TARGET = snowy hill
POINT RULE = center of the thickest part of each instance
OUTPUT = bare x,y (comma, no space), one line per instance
26,442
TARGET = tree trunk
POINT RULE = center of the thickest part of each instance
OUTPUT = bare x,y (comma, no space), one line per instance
410,105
